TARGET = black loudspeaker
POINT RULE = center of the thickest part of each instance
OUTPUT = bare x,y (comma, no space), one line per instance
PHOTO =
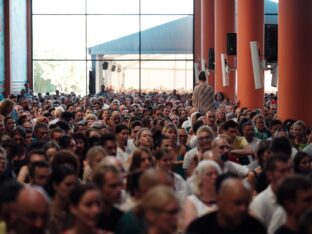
113,68
105,65
231,43
91,82
270,43
211,59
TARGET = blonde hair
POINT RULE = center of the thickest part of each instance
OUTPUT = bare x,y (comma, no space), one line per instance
156,199
139,133
93,152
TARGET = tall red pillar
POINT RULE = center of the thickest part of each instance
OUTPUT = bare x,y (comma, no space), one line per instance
224,23
294,59
207,26
250,27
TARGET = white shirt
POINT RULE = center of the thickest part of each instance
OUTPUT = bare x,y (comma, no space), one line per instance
308,149
264,205
235,168
188,157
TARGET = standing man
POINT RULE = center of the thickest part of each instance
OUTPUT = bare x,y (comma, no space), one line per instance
203,95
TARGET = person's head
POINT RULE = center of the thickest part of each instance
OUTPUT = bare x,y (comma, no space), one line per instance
85,205
108,180
32,211
95,155
248,131
142,159
205,136
294,194
19,135
302,163
219,96
202,76
171,132
122,133
182,134
204,176
36,155
220,148
51,148
39,173
281,145
277,167
8,194
65,157
108,141
41,131
144,138
210,118
135,126
67,143
63,179
263,152
276,125
299,129
56,133
231,129
258,121
10,124
160,208
6,107
233,198
164,159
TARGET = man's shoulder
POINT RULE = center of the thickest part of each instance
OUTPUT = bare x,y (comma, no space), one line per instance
200,225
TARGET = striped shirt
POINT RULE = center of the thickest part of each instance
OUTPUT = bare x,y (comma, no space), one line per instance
203,97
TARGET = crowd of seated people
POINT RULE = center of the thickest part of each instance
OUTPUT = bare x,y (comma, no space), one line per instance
151,163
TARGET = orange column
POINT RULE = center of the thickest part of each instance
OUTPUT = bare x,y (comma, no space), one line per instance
208,33
294,58
224,23
250,27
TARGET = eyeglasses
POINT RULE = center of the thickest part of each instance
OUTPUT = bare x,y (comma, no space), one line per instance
222,147
205,138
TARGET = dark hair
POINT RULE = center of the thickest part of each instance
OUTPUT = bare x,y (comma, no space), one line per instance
98,177
107,137
230,124
65,157
20,131
202,76
59,173
36,151
270,165
197,125
120,127
78,192
33,165
305,223
64,141
281,145
222,95
63,125
40,125
135,123
9,191
298,158
160,153
275,122
262,147
289,188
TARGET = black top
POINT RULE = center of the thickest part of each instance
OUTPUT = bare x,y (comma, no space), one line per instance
208,224
284,230
108,222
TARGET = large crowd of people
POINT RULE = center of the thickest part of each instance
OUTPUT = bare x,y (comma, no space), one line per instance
151,163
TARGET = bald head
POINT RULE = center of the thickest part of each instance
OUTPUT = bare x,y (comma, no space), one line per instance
32,211
233,200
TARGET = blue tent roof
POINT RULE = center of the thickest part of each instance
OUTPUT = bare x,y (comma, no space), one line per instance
174,37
